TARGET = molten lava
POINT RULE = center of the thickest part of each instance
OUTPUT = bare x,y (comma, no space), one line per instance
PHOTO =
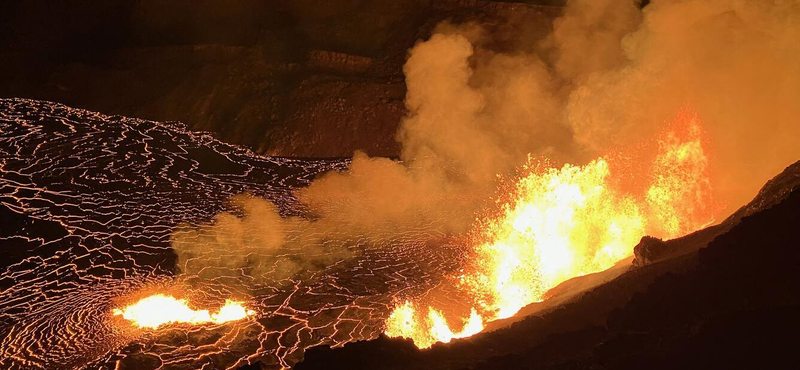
560,223
433,328
157,310
680,197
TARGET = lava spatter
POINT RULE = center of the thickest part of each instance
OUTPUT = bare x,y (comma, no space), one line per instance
561,223
97,199
89,203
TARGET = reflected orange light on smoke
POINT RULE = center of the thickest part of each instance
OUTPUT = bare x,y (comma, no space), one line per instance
560,223
157,310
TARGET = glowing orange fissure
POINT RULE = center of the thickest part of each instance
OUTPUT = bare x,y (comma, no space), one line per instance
159,309
560,223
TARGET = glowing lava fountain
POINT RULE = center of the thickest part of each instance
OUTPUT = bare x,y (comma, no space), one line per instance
158,309
560,223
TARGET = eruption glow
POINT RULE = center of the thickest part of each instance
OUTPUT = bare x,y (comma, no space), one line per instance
431,329
680,196
158,309
561,223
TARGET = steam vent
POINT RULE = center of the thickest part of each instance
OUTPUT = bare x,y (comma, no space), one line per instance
399,185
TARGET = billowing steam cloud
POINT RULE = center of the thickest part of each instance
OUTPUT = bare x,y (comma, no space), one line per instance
733,62
608,75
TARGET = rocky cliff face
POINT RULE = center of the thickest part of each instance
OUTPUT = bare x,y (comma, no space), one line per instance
303,78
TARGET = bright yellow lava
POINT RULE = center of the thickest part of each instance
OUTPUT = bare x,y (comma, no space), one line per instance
158,309
434,328
561,223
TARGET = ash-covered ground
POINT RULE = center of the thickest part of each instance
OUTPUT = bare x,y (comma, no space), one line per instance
89,204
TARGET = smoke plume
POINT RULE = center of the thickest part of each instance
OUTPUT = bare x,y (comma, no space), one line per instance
608,74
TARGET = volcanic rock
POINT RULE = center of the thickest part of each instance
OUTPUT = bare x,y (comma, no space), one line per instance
731,304
294,78
773,192
648,250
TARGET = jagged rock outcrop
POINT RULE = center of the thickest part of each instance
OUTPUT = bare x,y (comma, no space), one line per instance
648,250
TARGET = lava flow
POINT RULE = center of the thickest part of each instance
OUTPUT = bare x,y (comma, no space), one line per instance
561,223
158,309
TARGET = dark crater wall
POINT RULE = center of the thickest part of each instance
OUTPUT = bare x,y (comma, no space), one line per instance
303,78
